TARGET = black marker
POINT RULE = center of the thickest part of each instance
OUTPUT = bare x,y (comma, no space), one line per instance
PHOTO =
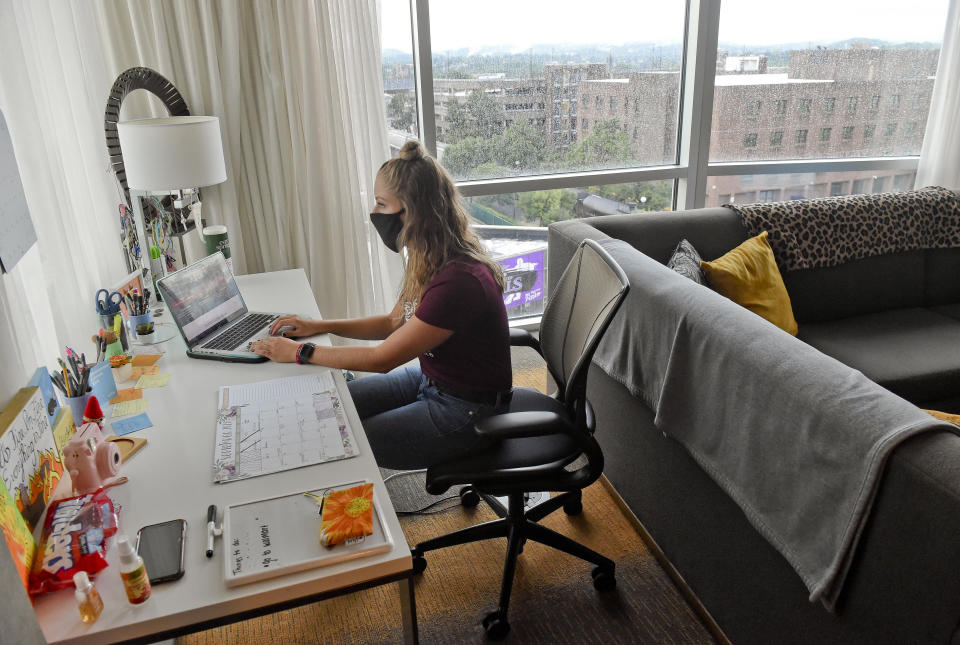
211,528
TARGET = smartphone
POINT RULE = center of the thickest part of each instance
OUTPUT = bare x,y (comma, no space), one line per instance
161,547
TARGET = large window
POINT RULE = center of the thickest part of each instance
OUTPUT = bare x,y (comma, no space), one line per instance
399,76
486,55
541,100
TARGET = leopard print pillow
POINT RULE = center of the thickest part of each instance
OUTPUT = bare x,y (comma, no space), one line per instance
829,231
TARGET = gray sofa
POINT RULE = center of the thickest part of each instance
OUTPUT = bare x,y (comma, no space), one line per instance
896,319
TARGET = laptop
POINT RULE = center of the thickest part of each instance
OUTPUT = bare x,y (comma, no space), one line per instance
206,304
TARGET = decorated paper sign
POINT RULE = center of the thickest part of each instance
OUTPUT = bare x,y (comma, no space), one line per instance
30,465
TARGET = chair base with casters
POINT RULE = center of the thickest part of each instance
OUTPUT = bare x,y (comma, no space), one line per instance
518,526
531,446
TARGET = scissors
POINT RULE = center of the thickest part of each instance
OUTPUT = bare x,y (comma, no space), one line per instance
108,303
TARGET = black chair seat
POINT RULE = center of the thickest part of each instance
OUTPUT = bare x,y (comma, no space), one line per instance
492,470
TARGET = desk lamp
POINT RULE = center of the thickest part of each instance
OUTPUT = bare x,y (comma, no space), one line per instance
165,154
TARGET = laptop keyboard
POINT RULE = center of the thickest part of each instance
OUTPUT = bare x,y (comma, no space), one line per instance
240,333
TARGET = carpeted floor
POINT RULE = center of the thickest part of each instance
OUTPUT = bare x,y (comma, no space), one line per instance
553,598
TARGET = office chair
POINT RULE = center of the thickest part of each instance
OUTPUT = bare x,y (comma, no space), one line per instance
533,442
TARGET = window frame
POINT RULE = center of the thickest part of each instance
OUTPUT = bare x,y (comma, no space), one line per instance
692,167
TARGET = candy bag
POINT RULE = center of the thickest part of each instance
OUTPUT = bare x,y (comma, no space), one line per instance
73,539
347,514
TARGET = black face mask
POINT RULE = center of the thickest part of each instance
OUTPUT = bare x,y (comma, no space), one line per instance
388,225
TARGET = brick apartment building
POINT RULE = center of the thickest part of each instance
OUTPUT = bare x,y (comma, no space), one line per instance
826,103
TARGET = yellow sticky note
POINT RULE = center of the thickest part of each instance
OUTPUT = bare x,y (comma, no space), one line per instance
137,372
143,360
126,394
152,380
63,428
136,406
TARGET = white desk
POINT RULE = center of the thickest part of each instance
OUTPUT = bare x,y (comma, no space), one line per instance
171,477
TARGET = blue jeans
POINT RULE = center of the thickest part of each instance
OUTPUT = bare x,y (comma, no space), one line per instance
410,424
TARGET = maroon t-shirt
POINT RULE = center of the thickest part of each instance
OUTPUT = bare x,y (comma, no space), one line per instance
464,298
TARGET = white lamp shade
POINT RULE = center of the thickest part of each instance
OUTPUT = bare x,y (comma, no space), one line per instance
172,153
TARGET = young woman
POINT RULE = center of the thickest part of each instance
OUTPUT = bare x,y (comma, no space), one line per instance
450,315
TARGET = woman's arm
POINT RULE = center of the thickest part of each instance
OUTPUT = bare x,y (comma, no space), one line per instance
406,343
369,328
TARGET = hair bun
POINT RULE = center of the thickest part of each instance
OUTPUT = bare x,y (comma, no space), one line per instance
411,151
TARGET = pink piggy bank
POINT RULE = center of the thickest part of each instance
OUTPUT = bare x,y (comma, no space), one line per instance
92,462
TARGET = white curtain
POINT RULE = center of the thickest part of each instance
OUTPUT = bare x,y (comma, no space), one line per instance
297,86
940,154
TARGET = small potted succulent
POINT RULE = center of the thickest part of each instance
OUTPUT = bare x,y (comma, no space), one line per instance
145,332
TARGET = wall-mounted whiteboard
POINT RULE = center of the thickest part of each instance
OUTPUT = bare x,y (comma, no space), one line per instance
16,228
280,535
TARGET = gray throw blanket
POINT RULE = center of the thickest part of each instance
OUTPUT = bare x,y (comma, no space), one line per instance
828,231
797,439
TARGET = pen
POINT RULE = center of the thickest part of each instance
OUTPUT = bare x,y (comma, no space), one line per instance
211,528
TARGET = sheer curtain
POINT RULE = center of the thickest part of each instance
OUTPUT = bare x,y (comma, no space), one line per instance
940,154
297,86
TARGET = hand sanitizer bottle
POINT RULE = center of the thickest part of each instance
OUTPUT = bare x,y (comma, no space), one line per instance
134,574
88,598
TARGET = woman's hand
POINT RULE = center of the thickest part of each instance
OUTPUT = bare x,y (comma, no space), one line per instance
296,326
276,348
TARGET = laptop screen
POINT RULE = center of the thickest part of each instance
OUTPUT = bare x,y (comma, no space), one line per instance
202,297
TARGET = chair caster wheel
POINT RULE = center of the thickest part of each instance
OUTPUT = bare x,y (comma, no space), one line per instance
603,579
495,625
419,562
573,507
469,497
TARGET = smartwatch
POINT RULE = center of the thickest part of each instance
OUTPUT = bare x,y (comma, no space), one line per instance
304,352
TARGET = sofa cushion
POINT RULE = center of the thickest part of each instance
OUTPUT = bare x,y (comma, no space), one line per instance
749,276
941,264
859,287
686,261
914,352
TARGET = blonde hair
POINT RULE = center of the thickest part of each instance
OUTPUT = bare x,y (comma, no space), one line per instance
436,228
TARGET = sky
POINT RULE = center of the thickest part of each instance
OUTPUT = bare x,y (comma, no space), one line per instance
520,23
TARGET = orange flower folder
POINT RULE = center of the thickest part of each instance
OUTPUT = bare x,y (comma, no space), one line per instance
347,514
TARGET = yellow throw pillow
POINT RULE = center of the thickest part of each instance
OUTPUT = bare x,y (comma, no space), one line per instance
945,416
749,276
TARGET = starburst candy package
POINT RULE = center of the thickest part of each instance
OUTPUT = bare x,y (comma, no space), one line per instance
347,514
73,539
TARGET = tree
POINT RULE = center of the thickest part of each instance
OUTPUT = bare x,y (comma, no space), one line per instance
543,207
539,204
643,196
400,112
606,146
522,147
479,116
464,158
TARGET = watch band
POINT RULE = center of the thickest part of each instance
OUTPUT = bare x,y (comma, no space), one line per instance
304,352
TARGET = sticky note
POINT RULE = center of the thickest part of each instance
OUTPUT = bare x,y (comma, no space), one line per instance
144,360
136,406
101,381
63,428
131,424
155,380
137,372
127,394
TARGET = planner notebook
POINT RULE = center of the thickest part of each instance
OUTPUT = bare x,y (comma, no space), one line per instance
280,424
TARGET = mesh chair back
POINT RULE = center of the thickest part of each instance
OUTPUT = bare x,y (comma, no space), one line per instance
579,310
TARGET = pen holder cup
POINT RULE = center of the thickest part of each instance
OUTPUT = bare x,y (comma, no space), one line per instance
106,322
113,349
136,321
78,404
